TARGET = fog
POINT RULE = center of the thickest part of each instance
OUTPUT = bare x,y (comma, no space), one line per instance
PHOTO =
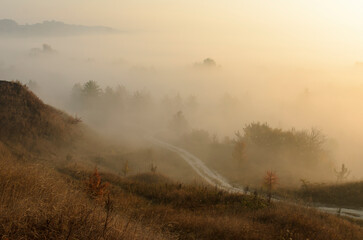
301,74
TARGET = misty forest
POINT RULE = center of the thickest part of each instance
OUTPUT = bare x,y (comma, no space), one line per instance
181,120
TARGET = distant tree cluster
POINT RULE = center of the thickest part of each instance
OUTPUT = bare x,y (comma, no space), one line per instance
263,143
138,107
45,50
208,63
290,154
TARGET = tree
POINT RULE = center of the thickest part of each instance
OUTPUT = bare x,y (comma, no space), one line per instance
125,168
150,157
209,62
47,48
239,151
94,186
153,167
270,180
342,174
179,124
273,144
91,89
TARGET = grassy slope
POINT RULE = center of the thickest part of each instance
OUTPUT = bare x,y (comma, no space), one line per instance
41,202
37,202
349,195
48,199
25,119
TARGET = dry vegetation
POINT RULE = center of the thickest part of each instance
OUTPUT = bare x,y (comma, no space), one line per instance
293,154
68,199
38,202
349,195
200,212
25,119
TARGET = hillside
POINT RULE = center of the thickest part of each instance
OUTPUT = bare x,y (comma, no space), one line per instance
70,198
27,122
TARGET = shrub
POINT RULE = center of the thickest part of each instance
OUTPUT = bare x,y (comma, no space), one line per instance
94,186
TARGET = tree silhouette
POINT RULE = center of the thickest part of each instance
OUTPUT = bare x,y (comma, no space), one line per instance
239,152
179,124
125,168
91,89
342,174
270,180
209,62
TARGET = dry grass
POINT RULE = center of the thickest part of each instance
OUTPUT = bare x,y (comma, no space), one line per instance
200,212
38,203
25,119
349,195
195,212
41,201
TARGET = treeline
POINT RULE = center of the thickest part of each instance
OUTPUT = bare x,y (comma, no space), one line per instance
291,154
99,105
261,143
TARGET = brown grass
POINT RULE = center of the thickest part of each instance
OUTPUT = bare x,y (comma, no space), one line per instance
25,119
44,200
201,212
38,203
349,195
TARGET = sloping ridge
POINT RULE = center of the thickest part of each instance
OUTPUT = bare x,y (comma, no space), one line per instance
27,122
9,27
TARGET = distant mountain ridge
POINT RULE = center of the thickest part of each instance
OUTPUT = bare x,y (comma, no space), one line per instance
9,27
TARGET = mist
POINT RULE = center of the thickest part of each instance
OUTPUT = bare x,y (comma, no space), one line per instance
282,74
179,119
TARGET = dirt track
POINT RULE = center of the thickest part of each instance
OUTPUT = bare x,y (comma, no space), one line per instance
215,179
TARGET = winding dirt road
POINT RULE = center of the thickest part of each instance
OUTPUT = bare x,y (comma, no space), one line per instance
215,179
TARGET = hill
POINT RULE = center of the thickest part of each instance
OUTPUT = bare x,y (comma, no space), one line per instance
9,27
70,198
27,122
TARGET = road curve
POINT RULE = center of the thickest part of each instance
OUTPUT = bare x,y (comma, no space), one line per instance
215,179
210,176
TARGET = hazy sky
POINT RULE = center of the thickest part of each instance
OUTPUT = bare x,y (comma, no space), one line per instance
264,47
305,32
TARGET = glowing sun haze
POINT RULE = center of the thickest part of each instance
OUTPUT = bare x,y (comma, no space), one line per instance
260,31
294,63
